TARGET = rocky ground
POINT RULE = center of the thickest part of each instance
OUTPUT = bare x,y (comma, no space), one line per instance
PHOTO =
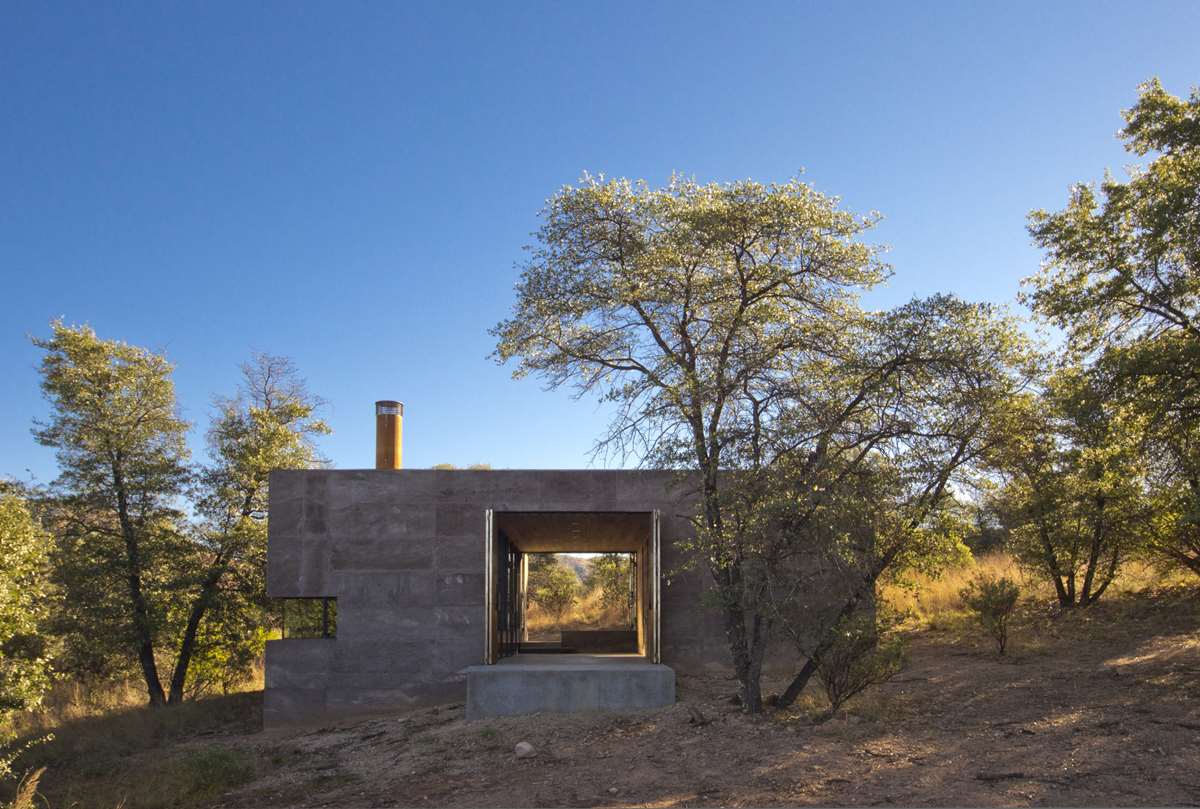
1095,709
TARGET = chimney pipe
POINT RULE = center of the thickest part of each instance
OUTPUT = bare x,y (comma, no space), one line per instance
389,433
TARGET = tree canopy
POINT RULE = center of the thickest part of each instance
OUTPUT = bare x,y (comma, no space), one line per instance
1122,278
723,322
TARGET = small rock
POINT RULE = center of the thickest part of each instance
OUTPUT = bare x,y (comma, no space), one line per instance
524,750
613,790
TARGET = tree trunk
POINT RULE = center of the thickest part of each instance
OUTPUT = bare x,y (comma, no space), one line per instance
828,636
1064,598
745,652
141,614
208,588
728,582
1089,576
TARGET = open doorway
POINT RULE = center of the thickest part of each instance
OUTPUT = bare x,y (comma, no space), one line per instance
562,582
581,602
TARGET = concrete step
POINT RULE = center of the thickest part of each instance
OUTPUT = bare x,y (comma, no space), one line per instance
567,684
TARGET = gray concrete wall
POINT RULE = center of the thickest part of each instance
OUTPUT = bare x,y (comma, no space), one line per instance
403,553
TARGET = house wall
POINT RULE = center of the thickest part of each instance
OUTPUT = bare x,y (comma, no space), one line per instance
403,553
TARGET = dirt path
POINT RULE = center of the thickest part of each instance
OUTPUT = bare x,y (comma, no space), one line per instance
1082,714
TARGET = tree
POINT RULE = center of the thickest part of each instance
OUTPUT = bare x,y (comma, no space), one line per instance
611,573
270,424
1075,491
122,458
119,508
722,321
1122,278
558,592
25,596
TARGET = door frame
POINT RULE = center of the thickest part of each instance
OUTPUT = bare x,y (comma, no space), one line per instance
655,650
653,598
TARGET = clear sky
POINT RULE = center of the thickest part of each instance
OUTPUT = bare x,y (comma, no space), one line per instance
351,184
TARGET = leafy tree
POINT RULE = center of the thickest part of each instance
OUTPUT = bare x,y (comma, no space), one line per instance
610,573
122,458
558,593
118,510
269,425
722,321
1122,278
1075,496
25,596
992,601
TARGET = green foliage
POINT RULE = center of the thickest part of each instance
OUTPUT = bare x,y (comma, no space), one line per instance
558,593
540,565
308,617
610,573
867,650
210,771
1075,491
25,599
140,575
122,459
1122,278
270,424
992,601
723,321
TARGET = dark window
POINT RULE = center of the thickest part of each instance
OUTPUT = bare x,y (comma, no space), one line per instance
308,617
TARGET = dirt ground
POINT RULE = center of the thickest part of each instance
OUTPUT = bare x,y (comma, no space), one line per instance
1101,708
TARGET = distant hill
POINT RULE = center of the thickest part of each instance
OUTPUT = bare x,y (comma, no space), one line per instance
582,568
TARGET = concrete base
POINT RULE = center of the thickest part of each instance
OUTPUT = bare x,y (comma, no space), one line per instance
591,641
525,684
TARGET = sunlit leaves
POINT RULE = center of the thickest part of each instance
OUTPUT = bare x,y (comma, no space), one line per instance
25,598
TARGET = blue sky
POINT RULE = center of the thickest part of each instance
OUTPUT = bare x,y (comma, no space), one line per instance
351,184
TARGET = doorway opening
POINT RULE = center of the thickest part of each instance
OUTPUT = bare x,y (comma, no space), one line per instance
571,582
582,602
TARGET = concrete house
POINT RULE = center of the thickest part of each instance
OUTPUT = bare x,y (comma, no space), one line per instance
426,571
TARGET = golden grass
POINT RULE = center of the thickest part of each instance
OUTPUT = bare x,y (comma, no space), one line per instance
109,748
587,613
71,702
929,600
933,601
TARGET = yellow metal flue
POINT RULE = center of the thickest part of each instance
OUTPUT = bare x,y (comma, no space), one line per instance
389,434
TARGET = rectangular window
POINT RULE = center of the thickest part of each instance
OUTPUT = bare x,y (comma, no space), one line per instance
308,617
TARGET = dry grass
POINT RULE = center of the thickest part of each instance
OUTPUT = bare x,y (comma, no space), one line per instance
109,749
71,702
934,602
146,758
587,613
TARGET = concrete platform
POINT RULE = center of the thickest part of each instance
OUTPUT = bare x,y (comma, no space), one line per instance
570,683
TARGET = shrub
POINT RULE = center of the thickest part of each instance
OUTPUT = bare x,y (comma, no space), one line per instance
559,592
992,601
868,651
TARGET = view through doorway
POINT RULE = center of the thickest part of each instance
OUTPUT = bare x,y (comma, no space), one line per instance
570,582
574,593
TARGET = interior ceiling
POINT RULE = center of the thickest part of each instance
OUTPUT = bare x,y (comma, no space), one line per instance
575,531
